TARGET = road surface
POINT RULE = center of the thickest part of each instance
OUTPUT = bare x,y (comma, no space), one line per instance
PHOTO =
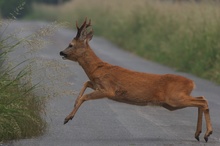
108,123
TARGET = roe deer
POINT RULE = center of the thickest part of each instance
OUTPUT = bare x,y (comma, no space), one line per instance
116,83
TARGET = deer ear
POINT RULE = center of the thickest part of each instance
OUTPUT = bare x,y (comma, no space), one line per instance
89,38
89,35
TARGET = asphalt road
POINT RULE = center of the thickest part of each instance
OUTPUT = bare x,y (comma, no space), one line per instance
108,123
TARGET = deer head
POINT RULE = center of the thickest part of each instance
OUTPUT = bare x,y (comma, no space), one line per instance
79,44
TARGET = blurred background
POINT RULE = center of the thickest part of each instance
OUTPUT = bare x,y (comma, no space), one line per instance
183,34
9,6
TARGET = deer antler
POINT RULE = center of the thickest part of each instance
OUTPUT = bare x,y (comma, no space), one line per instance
82,31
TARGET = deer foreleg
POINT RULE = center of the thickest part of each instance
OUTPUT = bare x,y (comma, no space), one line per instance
85,85
94,95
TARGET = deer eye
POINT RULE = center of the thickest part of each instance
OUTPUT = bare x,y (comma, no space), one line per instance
70,46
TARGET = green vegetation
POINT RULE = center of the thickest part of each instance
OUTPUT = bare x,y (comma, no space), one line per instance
9,6
20,109
183,35
22,100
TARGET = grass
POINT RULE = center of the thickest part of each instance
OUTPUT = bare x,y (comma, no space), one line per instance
21,108
183,35
26,81
20,111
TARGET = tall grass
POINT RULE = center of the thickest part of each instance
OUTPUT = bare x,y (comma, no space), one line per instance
183,35
21,109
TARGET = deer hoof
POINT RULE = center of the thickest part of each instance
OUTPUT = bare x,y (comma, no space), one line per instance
67,119
206,139
207,135
197,137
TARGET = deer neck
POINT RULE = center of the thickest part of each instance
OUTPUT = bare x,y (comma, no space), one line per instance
90,62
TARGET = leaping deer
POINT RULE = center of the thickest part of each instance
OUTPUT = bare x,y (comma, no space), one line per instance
116,83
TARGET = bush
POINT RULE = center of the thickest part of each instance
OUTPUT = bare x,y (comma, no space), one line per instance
51,1
20,109
7,7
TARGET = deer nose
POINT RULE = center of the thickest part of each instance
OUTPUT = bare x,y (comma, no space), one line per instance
63,54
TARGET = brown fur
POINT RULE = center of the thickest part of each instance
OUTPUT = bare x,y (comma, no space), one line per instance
116,83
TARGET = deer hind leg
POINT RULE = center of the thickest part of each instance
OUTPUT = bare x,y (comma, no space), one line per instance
91,96
208,124
203,109
199,120
202,105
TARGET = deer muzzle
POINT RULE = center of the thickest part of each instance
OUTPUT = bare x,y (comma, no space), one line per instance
64,55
